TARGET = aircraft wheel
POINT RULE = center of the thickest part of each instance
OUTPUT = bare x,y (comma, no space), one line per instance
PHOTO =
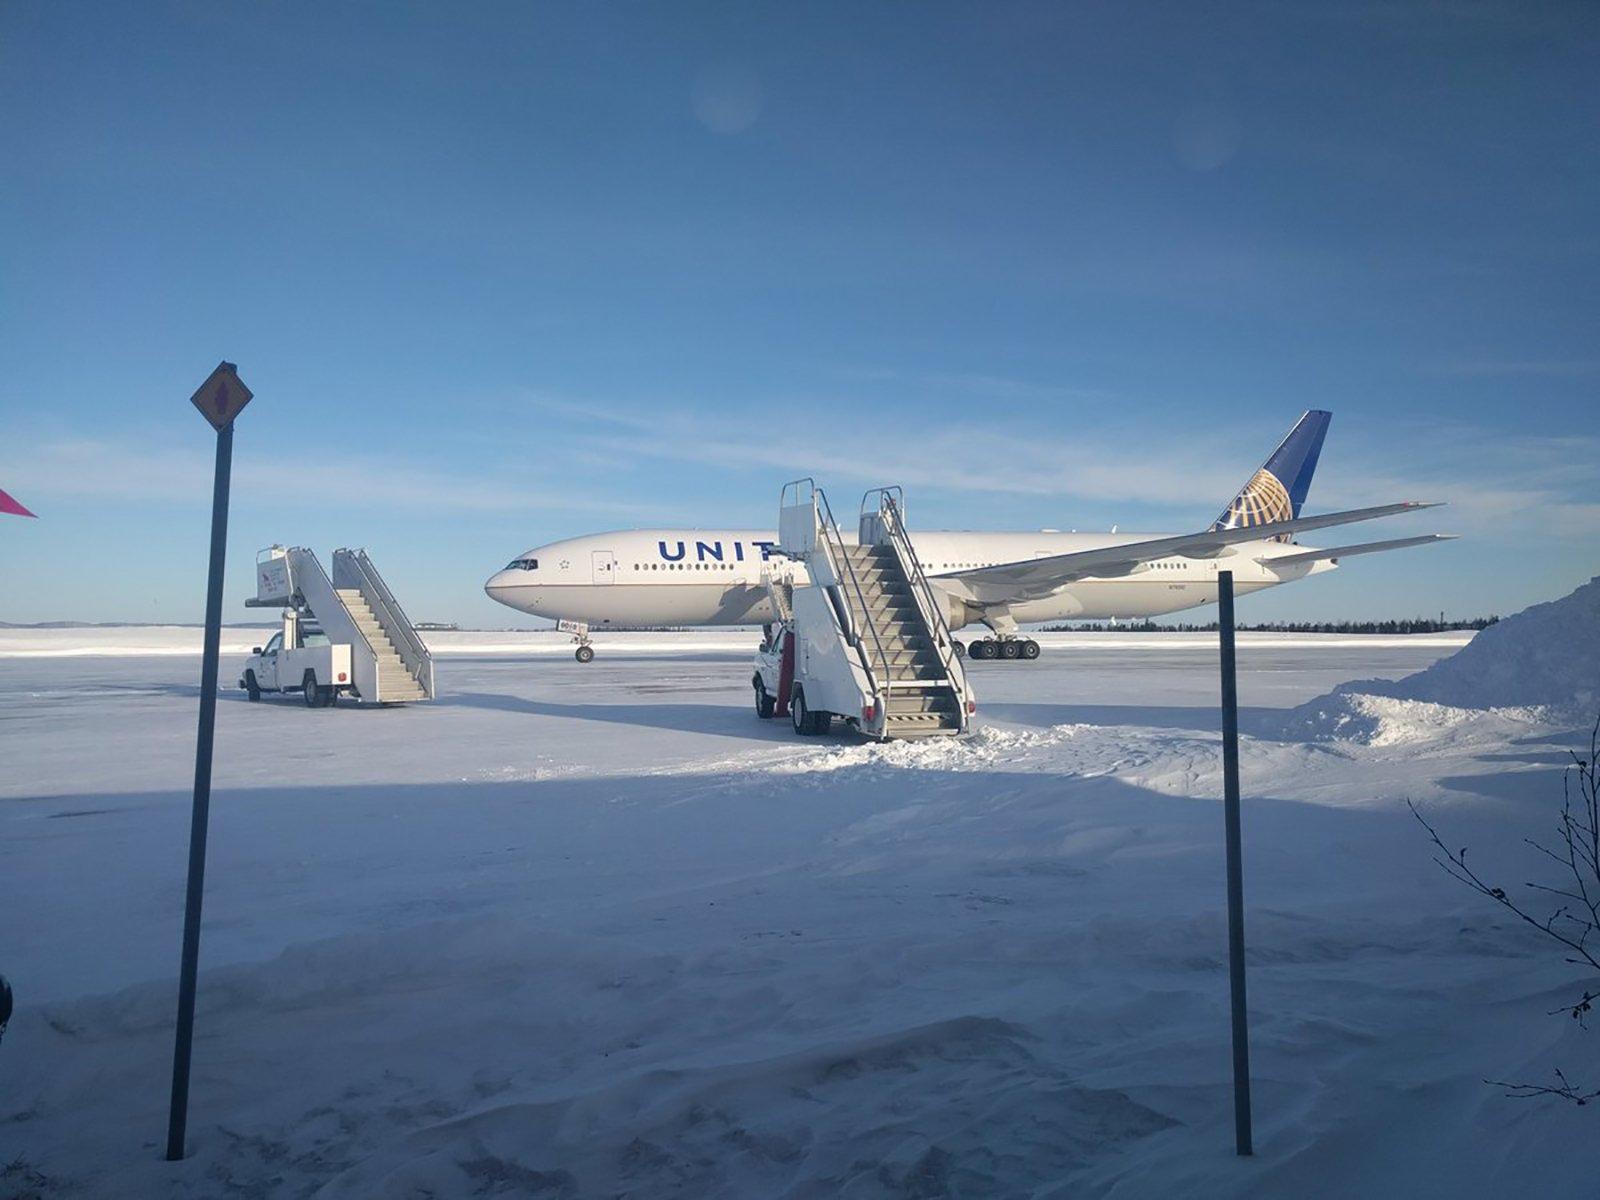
584,654
958,649
1010,648
982,649
1030,649
766,702
251,689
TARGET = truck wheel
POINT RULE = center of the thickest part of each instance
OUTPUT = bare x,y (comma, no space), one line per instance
584,654
312,691
251,689
803,725
766,703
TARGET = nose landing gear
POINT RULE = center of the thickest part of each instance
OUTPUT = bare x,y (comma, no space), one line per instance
580,635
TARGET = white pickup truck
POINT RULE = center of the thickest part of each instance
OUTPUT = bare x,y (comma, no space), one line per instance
810,675
299,659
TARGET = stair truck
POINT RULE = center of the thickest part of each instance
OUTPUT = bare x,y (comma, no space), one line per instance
860,635
345,636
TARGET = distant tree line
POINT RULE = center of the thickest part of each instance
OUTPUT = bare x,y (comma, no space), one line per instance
1393,625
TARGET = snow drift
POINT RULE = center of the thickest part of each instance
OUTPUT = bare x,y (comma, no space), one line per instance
1544,662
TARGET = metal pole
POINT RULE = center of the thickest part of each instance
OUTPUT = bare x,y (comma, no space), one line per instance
1230,809
178,1117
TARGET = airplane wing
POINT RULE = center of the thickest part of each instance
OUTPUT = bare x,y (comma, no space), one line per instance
1033,579
1333,552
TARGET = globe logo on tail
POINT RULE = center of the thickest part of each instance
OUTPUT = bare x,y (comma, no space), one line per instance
1264,501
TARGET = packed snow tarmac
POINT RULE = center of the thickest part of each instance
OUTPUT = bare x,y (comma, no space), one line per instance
598,931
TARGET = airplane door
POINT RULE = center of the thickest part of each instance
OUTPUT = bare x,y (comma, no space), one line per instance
605,566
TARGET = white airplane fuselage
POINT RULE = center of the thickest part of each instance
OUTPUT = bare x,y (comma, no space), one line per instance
646,577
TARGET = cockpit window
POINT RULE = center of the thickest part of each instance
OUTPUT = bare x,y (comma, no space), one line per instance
523,564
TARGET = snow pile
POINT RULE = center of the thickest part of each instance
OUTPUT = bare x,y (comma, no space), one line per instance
1372,720
1544,662
987,749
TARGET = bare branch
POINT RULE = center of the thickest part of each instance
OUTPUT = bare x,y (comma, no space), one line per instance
1578,856
1563,1088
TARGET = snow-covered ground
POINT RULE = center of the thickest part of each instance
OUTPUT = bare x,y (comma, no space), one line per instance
598,931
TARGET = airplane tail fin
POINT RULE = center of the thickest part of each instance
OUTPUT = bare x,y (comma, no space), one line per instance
1279,488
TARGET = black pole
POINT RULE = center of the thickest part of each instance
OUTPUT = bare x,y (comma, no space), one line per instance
1230,809
178,1118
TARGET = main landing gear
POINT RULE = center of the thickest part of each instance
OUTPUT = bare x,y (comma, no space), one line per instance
1003,647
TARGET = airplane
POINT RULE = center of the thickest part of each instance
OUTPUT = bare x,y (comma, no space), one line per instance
645,577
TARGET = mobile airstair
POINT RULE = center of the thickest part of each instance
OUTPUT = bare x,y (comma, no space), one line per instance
389,662
871,644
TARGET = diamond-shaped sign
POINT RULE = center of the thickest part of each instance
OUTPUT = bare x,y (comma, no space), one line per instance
222,395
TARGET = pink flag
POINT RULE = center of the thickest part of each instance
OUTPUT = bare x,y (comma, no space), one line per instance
8,505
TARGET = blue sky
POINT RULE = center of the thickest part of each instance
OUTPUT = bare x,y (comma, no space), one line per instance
499,274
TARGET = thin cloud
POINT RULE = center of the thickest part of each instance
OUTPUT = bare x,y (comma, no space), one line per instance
1494,484
1545,368
977,383
133,472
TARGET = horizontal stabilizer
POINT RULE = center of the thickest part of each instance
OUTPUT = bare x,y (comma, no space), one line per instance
1009,583
1336,552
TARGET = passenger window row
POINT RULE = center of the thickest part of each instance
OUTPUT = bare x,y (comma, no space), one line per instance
711,566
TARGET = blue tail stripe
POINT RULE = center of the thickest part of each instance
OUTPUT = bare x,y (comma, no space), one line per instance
1296,459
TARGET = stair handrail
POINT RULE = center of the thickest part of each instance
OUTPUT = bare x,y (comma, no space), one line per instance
933,609
830,539
332,591
874,509
391,616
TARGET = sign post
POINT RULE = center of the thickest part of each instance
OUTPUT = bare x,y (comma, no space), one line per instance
1230,808
219,400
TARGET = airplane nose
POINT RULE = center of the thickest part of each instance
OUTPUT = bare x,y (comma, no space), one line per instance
496,587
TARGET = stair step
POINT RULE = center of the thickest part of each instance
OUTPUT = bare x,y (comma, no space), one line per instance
926,720
889,609
902,658
936,705
899,641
